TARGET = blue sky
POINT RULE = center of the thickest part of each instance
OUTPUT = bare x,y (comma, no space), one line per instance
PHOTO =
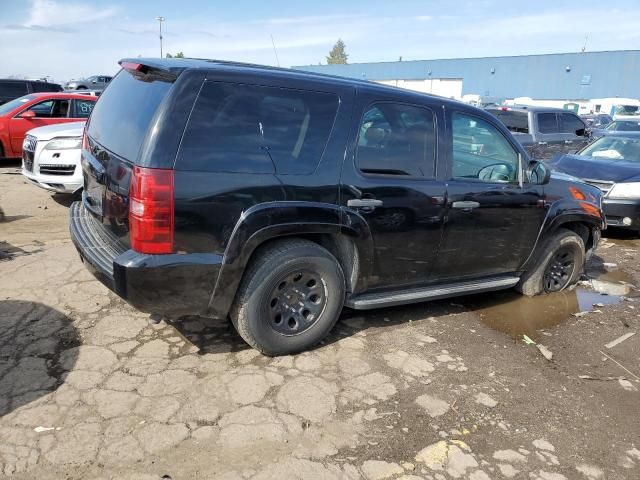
73,38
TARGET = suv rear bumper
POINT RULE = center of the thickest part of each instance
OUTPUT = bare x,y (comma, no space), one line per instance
617,210
171,285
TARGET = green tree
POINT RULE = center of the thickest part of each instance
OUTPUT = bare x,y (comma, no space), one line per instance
338,55
177,55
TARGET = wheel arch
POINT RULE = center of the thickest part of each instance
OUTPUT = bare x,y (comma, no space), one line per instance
350,243
585,223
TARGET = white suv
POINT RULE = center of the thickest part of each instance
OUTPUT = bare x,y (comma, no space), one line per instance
51,157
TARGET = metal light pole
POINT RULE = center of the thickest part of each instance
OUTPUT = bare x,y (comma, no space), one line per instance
160,20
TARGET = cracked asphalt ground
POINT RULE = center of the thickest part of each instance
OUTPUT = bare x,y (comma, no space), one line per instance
89,389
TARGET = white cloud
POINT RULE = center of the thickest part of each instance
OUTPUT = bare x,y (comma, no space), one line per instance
49,13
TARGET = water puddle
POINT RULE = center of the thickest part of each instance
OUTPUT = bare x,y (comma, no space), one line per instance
517,315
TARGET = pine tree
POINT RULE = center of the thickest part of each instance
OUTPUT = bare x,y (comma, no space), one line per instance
337,55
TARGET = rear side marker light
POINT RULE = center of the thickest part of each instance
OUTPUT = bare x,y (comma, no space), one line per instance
151,210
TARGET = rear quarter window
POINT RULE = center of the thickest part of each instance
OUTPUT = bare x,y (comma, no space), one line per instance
13,89
257,129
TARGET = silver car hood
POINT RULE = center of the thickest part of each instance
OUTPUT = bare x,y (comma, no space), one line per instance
73,129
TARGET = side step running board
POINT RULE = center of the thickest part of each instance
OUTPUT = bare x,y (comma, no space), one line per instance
369,301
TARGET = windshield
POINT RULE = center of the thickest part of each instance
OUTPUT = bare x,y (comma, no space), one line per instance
614,148
624,126
626,110
15,103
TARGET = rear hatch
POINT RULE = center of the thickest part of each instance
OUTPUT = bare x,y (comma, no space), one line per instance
115,135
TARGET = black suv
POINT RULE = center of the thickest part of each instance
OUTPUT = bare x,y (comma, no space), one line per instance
275,198
10,89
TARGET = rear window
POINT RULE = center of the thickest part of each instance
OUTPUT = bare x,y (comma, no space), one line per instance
515,121
257,129
121,117
13,89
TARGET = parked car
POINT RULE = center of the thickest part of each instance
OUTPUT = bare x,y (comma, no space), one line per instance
613,165
625,128
19,116
51,157
544,132
256,193
596,120
97,82
10,89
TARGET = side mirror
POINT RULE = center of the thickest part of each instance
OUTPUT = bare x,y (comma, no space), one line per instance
581,132
27,114
538,173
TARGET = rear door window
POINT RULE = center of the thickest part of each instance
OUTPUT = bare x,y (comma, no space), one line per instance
44,87
13,89
257,129
547,123
514,120
121,119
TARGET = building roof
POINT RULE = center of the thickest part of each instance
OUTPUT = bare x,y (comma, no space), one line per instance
552,76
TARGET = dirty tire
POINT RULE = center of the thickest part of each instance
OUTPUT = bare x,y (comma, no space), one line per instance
532,281
250,313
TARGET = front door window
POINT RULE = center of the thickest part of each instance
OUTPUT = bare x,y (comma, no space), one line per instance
481,152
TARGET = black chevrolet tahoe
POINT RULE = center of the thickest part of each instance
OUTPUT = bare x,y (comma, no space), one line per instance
275,198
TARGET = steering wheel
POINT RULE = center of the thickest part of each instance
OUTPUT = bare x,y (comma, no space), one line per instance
500,172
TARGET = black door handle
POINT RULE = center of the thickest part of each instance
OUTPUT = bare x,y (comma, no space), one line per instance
364,202
465,205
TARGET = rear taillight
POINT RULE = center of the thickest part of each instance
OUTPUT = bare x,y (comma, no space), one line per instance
151,210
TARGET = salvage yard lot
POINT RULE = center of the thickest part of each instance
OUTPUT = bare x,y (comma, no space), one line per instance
90,389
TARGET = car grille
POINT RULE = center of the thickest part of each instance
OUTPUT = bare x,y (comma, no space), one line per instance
604,186
28,149
46,169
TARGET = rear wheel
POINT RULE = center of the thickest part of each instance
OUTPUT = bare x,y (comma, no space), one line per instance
290,297
557,265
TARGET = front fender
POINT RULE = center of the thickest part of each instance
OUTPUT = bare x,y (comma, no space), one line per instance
567,211
270,220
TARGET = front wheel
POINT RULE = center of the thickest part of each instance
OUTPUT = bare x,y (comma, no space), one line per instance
557,265
290,297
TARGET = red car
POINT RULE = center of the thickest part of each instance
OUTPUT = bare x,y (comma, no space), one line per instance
19,116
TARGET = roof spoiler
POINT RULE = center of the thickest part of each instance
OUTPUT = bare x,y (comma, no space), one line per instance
146,66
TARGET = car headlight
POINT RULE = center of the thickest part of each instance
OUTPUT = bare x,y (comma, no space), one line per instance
625,190
64,143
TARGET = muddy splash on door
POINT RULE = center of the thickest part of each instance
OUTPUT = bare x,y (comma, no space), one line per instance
517,315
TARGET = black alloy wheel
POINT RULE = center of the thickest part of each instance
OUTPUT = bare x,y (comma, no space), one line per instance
560,269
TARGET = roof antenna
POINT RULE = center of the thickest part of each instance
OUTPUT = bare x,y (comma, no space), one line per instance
584,47
274,50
